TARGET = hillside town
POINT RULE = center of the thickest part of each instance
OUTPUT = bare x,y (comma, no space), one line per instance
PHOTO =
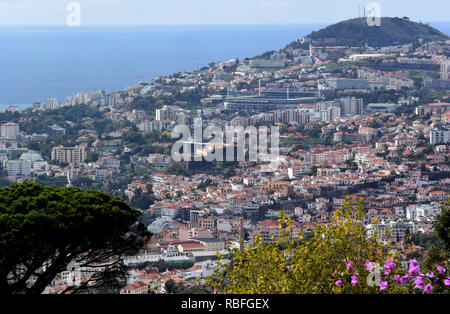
358,122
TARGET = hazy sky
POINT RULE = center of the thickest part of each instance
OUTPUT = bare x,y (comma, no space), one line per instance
120,12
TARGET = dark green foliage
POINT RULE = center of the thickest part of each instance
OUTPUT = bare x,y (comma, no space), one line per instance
44,224
142,200
425,240
392,31
60,181
133,137
83,183
180,288
442,225
163,266
91,156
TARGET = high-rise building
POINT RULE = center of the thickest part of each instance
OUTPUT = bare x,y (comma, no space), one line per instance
18,168
67,155
352,105
439,136
50,103
78,98
330,114
167,113
9,130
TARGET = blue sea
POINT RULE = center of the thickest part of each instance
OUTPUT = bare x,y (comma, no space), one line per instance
59,61
40,62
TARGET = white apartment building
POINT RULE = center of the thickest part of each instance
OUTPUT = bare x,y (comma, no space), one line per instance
330,114
439,136
38,165
9,130
414,212
167,113
50,103
74,155
297,171
351,105
18,168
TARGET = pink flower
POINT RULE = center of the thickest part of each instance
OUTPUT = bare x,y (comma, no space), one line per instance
428,288
398,278
430,275
387,271
390,265
383,284
350,266
339,282
404,279
355,279
419,283
412,262
441,269
369,266
413,270
447,281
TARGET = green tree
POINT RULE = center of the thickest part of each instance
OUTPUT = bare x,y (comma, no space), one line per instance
143,200
43,229
91,156
170,286
442,224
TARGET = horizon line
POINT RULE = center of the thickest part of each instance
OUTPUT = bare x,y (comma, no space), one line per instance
199,24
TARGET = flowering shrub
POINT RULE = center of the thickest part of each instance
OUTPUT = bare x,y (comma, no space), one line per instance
299,262
394,279
339,257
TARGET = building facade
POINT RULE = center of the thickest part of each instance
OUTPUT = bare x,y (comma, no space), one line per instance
74,155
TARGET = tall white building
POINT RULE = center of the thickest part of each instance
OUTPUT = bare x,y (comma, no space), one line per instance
18,168
330,114
38,165
50,103
439,136
167,113
352,105
9,130
78,98
414,212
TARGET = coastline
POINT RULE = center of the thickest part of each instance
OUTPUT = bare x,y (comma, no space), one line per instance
61,65
188,66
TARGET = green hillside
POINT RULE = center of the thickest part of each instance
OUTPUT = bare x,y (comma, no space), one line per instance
393,31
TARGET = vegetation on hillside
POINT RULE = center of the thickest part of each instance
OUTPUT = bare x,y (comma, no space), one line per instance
392,31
